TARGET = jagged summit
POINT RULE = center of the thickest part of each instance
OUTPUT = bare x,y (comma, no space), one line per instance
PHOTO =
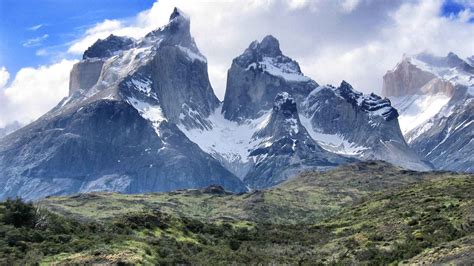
267,56
451,60
284,119
269,46
371,103
108,46
176,32
258,75
285,104
178,13
286,147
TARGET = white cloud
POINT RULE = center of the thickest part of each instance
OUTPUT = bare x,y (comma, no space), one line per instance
349,5
4,76
35,27
224,29
355,40
35,41
34,91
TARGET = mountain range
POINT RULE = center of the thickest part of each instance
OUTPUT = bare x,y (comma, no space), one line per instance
142,116
434,96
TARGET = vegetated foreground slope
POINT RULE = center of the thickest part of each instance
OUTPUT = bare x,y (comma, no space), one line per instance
364,212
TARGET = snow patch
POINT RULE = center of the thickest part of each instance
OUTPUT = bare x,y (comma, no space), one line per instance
228,139
192,55
107,183
287,70
414,110
332,142
152,113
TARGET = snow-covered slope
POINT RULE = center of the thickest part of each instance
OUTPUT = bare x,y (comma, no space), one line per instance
366,126
435,109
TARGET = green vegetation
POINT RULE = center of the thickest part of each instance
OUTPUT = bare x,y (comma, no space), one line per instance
370,213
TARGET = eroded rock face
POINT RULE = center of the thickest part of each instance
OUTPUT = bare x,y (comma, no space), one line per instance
438,85
257,76
367,124
84,75
117,131
286,148
107,146
405,79
182,85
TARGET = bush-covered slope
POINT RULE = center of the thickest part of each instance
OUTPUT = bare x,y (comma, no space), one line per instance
366,212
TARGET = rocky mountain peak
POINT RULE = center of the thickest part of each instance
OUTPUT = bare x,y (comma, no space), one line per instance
176,32
371,103
270,46
285,104
179,21
284,120
258,75
108,46
177,13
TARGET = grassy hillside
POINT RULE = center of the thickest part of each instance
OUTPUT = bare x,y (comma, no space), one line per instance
366,212
305,199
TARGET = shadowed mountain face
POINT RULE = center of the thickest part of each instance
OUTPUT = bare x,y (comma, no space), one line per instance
434,96
287,148
116,131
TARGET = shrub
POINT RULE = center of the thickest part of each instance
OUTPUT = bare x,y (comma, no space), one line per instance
19,213
234,244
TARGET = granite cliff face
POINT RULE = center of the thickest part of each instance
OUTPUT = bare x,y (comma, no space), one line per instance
365,126
257,76
285,147
264,139
405,79
117,129
436,115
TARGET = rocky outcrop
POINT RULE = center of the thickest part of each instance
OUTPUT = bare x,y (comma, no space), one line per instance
84,75
108,47
437,86
286,148
363,126
257,76
405,79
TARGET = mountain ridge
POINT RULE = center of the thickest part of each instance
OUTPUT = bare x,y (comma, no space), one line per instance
192,139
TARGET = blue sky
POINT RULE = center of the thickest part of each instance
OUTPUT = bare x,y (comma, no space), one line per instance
452,8
57,22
